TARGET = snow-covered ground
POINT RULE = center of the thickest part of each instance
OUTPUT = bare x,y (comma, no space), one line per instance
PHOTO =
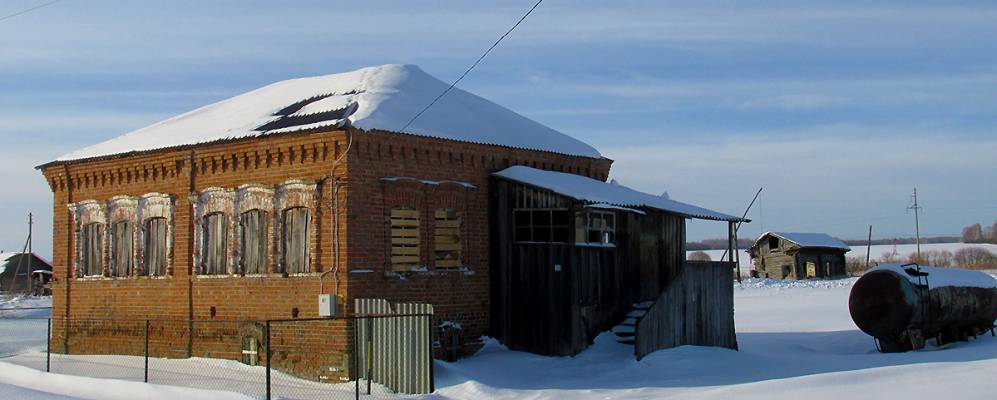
796,340
876,252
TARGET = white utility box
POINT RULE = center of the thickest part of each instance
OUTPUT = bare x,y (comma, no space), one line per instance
326,305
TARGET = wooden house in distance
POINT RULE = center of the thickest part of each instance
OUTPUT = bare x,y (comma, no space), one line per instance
784,255
16,278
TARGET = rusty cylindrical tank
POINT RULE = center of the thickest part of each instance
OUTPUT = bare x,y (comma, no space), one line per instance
902,306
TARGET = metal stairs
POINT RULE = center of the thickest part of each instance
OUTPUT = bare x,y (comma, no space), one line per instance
626,330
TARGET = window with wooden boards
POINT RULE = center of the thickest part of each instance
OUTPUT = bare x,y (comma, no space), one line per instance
295,245
121,249
254,225
447,244
405,254
154,257
92,254
214,253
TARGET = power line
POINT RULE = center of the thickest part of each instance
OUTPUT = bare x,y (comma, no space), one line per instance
472,65
29,10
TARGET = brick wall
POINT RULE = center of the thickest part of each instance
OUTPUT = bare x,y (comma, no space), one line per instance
458,295
363,199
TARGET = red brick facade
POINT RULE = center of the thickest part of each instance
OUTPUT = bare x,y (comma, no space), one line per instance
351,203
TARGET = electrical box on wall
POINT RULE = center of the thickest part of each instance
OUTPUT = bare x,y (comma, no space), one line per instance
326,305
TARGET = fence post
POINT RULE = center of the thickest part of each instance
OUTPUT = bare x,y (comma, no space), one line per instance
370,352
268,359
48,347
146,351
356,355
429,350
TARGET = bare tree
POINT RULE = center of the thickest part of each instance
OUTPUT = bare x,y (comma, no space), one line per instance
972,234
975,258
938,258
992,233
699,256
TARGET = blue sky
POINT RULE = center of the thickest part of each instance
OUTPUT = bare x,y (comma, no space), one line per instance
837,108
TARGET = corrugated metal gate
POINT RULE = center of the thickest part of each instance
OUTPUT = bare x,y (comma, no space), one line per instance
395,345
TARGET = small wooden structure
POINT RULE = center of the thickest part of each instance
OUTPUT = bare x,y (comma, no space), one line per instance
783,255
572,256
15,275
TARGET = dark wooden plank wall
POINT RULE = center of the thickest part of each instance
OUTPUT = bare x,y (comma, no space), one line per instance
697,308
555,298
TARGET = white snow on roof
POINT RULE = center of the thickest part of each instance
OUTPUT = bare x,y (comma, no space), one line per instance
939,276
811,240
596,191
384,97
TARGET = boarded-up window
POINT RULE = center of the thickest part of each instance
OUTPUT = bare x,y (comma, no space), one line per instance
92,245
296,221
214,253
154,257
447,242
404,239
254,226
121,249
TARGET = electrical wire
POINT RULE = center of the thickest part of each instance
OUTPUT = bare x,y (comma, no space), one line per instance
476,62
29,10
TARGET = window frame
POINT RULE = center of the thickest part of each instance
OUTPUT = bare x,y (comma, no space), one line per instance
777,241
533,226
606,232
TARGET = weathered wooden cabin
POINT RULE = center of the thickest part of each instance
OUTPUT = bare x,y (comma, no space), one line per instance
784,255
573,257
20,273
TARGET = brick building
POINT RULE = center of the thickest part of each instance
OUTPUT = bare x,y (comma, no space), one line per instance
249,208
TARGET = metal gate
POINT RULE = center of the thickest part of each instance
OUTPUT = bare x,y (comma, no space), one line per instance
394,345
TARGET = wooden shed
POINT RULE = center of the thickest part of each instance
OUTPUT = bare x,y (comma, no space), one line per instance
573,257
15,276
784,255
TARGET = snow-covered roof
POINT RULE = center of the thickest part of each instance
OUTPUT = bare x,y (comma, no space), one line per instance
821,240
939,276
595,191
384,97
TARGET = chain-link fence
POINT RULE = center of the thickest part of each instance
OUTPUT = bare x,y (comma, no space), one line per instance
288,359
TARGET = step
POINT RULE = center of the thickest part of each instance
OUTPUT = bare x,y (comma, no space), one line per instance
644,305
629,322
637,313
623,328
626,341
624,335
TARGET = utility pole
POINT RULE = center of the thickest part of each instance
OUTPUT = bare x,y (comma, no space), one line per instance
868,248
917,227
31,256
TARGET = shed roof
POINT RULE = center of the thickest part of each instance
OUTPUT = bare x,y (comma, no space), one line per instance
384,97
10,259
595,191
811,240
